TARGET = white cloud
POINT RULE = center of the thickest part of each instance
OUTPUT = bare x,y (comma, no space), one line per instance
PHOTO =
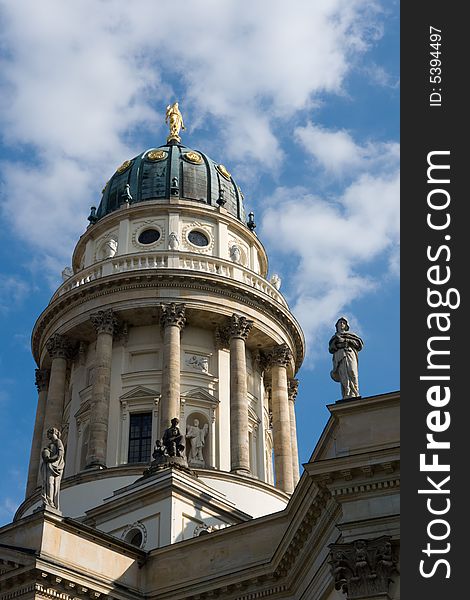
333,242
13,291
339,154
81,76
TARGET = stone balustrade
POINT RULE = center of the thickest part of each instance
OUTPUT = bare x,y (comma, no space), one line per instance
188,261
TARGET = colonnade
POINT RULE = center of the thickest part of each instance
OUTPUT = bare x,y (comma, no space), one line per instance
51,386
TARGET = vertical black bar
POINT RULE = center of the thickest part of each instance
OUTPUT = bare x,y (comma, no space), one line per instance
435,352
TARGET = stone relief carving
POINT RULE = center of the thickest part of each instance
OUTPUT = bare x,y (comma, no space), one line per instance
344,346
235,253
198,362
52,469
109,248
364,567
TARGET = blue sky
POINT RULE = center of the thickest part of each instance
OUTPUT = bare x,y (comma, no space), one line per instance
300,101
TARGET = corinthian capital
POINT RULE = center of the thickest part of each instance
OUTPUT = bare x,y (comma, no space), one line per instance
59,346
363,568
293,388
105,321
173,314
238,327
280,356
42,379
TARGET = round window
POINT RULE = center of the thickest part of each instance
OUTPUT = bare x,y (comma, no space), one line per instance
198,238
134,537
149,236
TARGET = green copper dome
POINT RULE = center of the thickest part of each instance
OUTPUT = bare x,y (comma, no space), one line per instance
171,171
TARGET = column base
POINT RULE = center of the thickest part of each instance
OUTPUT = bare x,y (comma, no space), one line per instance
96,467
245,472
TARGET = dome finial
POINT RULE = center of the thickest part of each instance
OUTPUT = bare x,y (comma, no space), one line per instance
175,122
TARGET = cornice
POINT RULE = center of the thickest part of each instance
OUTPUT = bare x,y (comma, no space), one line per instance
170,278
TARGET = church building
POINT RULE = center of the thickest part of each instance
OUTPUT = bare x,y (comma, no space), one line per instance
164,460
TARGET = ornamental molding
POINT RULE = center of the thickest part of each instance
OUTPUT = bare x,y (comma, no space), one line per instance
59,346
173,314
42,379
137,526
105,321
293,388
364,567
238,327
101,288
279,356
207,230
137,229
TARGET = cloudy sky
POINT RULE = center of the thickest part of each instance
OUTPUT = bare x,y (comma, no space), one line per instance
300,100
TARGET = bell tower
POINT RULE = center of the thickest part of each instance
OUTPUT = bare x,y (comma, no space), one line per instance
167,312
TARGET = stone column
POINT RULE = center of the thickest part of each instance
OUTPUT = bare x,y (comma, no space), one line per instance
237,332
59,348
105,323
42,383
292,390
172,320
279,359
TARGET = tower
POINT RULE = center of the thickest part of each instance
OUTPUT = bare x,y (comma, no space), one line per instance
167,313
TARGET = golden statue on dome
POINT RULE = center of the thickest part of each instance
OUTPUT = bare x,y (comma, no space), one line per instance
175,122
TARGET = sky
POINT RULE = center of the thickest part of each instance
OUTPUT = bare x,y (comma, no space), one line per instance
299,100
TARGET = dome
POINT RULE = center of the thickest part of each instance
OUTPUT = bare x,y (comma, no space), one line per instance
173,170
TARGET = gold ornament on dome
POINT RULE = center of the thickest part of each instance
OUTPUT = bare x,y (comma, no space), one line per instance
175,122
223,171
156,155
193,157
125,165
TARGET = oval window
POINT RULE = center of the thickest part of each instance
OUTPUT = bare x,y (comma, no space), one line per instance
198,238
149,236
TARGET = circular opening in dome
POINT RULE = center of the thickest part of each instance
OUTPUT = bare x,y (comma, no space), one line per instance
149,236
198,238
134,537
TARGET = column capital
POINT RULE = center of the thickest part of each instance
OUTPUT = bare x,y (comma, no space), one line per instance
279,356
59,346
105,321
173,314
363,568
293,388
238,327
42,379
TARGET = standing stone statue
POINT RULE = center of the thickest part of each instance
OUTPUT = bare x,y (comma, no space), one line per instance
52,468
172,439
196,436
344,346
173,241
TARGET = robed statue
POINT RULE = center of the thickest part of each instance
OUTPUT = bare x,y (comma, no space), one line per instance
344,346
52,468
175,122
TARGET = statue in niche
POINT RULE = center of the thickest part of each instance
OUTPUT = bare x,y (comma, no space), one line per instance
52,468
175,121
196,436
172,439
173,241
344,346
235,253
275,281
110,248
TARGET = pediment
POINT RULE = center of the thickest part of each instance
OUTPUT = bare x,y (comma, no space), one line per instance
199,393
139,392
14,559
